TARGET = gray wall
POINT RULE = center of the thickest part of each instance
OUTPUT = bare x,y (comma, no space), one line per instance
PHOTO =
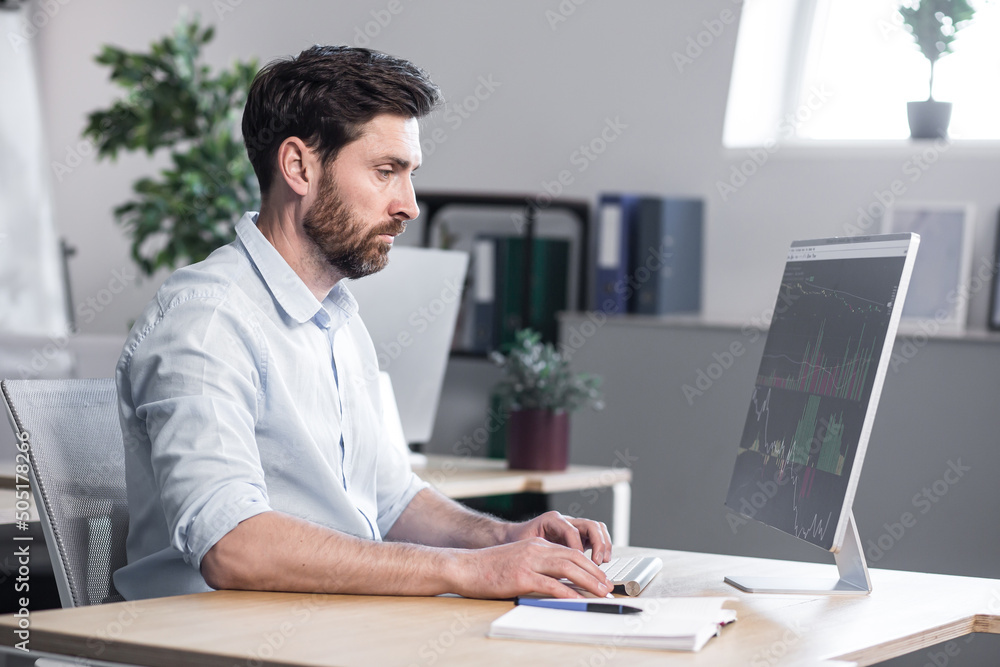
937,406
557,88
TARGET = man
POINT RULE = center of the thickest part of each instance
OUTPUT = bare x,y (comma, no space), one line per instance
254,452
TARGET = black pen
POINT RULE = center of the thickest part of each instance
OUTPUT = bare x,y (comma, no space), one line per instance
578,605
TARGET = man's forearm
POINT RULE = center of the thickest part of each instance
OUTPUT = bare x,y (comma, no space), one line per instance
275,551
435,520
278,552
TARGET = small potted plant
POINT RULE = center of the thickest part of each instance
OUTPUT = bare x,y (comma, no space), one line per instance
538,392
934,25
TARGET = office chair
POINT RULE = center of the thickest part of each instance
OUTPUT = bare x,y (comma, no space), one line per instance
78,479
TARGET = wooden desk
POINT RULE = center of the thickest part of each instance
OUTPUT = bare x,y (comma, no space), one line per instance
469,477
905,612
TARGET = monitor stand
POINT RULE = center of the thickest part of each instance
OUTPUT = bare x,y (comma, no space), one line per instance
854,579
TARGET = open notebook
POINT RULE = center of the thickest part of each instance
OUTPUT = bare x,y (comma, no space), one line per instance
679,624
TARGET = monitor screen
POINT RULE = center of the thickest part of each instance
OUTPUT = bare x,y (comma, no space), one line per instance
814,398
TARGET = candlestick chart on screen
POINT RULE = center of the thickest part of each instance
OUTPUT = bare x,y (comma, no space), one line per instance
812,393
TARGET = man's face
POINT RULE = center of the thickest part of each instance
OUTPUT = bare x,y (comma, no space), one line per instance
366,196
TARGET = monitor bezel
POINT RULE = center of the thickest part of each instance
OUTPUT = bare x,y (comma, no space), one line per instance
912,241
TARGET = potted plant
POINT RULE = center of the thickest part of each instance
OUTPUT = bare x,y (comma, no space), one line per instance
538,392
934,25
173,102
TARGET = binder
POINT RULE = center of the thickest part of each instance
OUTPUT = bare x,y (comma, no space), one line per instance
666,256
549,278
484,294
614,215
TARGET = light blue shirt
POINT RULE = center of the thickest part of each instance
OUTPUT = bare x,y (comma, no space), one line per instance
240,393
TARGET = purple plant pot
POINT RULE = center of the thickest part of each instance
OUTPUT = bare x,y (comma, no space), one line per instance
538,440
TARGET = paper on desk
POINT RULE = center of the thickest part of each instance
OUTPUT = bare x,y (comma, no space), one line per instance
680,624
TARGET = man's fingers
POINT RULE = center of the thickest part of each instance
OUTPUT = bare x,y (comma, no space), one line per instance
570,534
597,537
554,588
581,571
561,530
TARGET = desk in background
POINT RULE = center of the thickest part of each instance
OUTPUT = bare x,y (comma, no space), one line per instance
906,611
466,477
469,477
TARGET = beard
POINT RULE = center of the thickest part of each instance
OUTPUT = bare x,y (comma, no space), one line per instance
344,241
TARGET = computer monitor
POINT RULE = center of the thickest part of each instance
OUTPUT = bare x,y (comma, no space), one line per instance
410,309
814,399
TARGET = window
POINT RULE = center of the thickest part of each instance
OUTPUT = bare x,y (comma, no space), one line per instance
844,70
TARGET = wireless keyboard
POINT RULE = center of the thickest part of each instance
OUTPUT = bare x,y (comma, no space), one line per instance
630,575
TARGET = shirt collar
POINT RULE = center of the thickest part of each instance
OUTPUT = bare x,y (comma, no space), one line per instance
289,291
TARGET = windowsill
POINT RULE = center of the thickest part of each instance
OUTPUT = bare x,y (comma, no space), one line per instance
881,148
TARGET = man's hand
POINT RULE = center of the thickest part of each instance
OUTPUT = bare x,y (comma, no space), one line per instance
532,565
579,534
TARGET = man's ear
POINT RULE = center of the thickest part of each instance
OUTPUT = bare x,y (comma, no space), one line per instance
297,165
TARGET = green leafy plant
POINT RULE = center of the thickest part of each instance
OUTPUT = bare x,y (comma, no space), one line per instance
174,102
934,25
537,377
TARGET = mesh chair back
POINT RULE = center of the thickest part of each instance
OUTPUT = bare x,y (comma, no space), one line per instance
78,478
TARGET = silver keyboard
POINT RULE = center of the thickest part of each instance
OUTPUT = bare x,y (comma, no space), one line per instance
631,574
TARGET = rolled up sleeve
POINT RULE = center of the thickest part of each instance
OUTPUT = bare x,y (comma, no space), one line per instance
397,485
196,379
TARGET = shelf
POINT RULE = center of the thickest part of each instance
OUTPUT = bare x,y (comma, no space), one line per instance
698,322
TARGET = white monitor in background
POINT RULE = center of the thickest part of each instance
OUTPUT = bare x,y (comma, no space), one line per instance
410,308
814,399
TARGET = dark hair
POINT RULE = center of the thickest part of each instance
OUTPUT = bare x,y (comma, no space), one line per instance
324,96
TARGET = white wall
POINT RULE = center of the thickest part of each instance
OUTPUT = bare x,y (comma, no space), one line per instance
557,87
31,280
